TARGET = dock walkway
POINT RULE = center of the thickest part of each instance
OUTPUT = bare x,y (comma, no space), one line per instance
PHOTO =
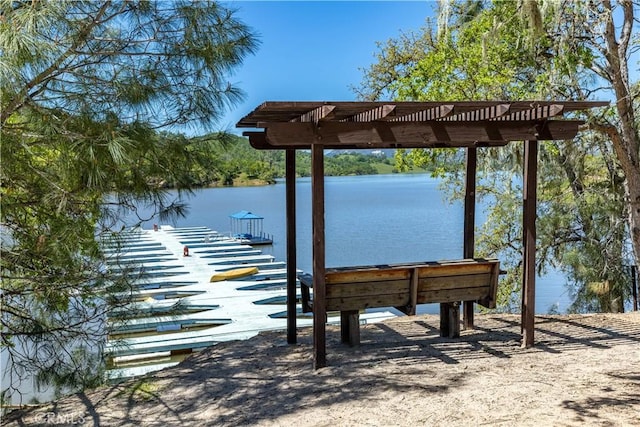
224,310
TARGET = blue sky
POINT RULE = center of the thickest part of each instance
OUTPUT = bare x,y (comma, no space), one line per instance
314,50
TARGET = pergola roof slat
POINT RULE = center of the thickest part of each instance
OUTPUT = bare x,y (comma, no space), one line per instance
285,111
425,115
377,113
487,113
538,113
411,124
317,114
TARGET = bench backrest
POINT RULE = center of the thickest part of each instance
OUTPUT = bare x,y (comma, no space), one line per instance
405,285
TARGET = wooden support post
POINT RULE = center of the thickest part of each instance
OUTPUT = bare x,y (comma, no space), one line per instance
469,223
450,319
319,288
529,242
413,292
454,320
290,174
350,327
445,319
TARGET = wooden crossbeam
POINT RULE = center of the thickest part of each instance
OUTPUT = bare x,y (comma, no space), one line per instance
377,113
488,113
425,115
416,134
259,141
542,112
316,115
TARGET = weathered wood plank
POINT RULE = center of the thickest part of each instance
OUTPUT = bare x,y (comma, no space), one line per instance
367,301
442,268
357,276
454,282
429,264
452,295
349,289
383,287
456,270
393,293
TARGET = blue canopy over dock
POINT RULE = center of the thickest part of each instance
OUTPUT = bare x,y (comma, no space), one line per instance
248,226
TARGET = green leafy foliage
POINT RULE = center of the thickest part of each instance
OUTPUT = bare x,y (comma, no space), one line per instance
532,50
89,93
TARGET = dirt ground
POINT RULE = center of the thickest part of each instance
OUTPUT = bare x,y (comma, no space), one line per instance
584,370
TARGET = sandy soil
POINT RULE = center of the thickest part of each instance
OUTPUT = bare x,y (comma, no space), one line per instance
584,370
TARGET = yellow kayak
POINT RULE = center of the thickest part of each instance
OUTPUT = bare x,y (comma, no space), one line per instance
233,274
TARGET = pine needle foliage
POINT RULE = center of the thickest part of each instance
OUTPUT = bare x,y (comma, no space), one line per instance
88,93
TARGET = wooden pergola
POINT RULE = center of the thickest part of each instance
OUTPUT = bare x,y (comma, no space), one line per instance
317,126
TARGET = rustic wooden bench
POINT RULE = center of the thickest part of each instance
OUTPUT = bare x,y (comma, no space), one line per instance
403,286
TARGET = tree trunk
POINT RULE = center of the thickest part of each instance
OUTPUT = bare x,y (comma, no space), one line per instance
632,189
625,139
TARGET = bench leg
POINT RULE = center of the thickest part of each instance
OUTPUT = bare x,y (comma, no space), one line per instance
454,320
468,309
306,299
450,319
350,327
444,319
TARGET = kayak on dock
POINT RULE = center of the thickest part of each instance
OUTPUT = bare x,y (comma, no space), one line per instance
233,274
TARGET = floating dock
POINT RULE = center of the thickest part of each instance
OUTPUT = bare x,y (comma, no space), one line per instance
247,227
175,309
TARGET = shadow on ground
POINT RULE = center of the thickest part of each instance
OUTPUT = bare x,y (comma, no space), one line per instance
261,379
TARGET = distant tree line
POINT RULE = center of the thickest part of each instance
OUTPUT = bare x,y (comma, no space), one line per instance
226,159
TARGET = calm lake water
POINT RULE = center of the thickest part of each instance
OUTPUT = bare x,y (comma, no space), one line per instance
369,220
